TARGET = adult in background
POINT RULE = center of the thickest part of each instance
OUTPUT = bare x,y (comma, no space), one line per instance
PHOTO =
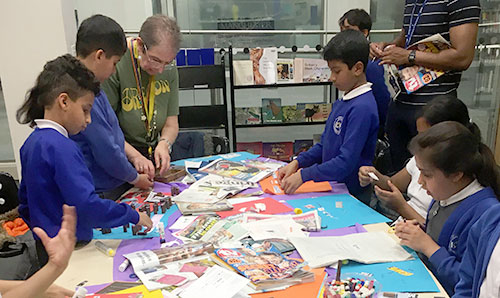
457,21
144,94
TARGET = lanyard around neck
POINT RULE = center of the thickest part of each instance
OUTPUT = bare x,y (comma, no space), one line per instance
413,24
148,101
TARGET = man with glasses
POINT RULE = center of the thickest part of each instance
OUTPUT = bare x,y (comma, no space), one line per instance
144,94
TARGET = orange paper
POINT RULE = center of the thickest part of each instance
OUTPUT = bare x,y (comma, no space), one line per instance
271,185
310,289
272,207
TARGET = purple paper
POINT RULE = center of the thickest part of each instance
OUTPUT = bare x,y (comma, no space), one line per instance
96,288
166,187
357,228
337,188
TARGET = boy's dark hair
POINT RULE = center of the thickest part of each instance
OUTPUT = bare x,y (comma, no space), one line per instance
451,147
448,108
65,74
349,46
357,17
100,32
156,25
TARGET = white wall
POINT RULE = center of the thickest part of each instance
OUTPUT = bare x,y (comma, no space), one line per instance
130,14
32,32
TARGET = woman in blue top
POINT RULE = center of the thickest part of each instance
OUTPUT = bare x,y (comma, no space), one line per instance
460,174
53,168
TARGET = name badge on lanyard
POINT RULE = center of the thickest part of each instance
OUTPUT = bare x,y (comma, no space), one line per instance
413,23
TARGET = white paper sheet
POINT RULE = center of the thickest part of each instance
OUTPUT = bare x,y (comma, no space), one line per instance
280,228
183,222
368,248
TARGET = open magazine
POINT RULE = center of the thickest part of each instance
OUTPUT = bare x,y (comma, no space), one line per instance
237,170
415,77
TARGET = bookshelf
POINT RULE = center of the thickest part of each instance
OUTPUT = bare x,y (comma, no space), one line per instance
328,95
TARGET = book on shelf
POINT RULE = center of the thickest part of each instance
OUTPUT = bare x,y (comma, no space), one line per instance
266,270
313,70
252,147
237,170
271,110
248,115
415,77
264,65
317,112
285,70
291,114
278,150
301,146
243,72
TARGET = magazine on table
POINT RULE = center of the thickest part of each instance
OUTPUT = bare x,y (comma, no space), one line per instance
212,188
193,208
209,228
310,220
265,163
415,77
237,170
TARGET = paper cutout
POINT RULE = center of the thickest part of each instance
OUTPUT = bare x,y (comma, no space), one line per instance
400,271
271,185
272,207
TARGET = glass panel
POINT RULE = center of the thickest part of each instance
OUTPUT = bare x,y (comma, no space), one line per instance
249,14
387,14
6,151
490,13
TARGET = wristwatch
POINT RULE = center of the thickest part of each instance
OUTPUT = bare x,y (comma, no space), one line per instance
411,57
168,144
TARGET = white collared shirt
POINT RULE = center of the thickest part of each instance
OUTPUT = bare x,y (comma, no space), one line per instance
44,123
357,91
469,190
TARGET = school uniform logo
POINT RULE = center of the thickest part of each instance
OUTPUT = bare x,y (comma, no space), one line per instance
337,125
452,245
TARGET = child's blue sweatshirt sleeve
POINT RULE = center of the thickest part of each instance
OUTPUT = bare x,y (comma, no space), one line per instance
466,272
75,184
311,156
341,165
99,136
446,268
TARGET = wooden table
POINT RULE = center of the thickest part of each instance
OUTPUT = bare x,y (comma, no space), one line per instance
89,264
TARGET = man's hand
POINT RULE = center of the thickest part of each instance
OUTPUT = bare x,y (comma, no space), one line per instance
162,157
60,247
144,166
394,55
376,49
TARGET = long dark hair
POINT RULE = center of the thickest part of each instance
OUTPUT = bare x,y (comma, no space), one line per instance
448,108
65,74
451,147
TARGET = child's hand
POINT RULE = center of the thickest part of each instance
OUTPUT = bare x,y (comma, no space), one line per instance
287,170
364,178
60,247
145,221
291,183
144,166
414,237
394,198
55,291
144,182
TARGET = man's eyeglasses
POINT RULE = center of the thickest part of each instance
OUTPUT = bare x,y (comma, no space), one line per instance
156,62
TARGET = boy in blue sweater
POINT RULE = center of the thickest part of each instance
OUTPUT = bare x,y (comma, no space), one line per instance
53,168
350,134
100,43
359,19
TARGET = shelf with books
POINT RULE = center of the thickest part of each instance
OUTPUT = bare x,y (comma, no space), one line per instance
271,72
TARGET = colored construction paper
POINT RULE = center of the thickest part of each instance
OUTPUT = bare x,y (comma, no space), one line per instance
142,289
207,56
338,211
271,185
420,281
309,289
166,187
234,156
272,207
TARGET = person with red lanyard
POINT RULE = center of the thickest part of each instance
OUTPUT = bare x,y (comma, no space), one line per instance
457,21
144,94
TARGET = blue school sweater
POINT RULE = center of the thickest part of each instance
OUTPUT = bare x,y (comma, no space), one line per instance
347,143
54,173
453,237
483,238
103,147
375,75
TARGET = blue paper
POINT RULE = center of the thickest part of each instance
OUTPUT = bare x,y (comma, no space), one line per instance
420,281
235,156
193,57
340,211
117,233
207,56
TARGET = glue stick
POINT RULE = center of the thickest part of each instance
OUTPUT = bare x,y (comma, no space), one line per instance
104,249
